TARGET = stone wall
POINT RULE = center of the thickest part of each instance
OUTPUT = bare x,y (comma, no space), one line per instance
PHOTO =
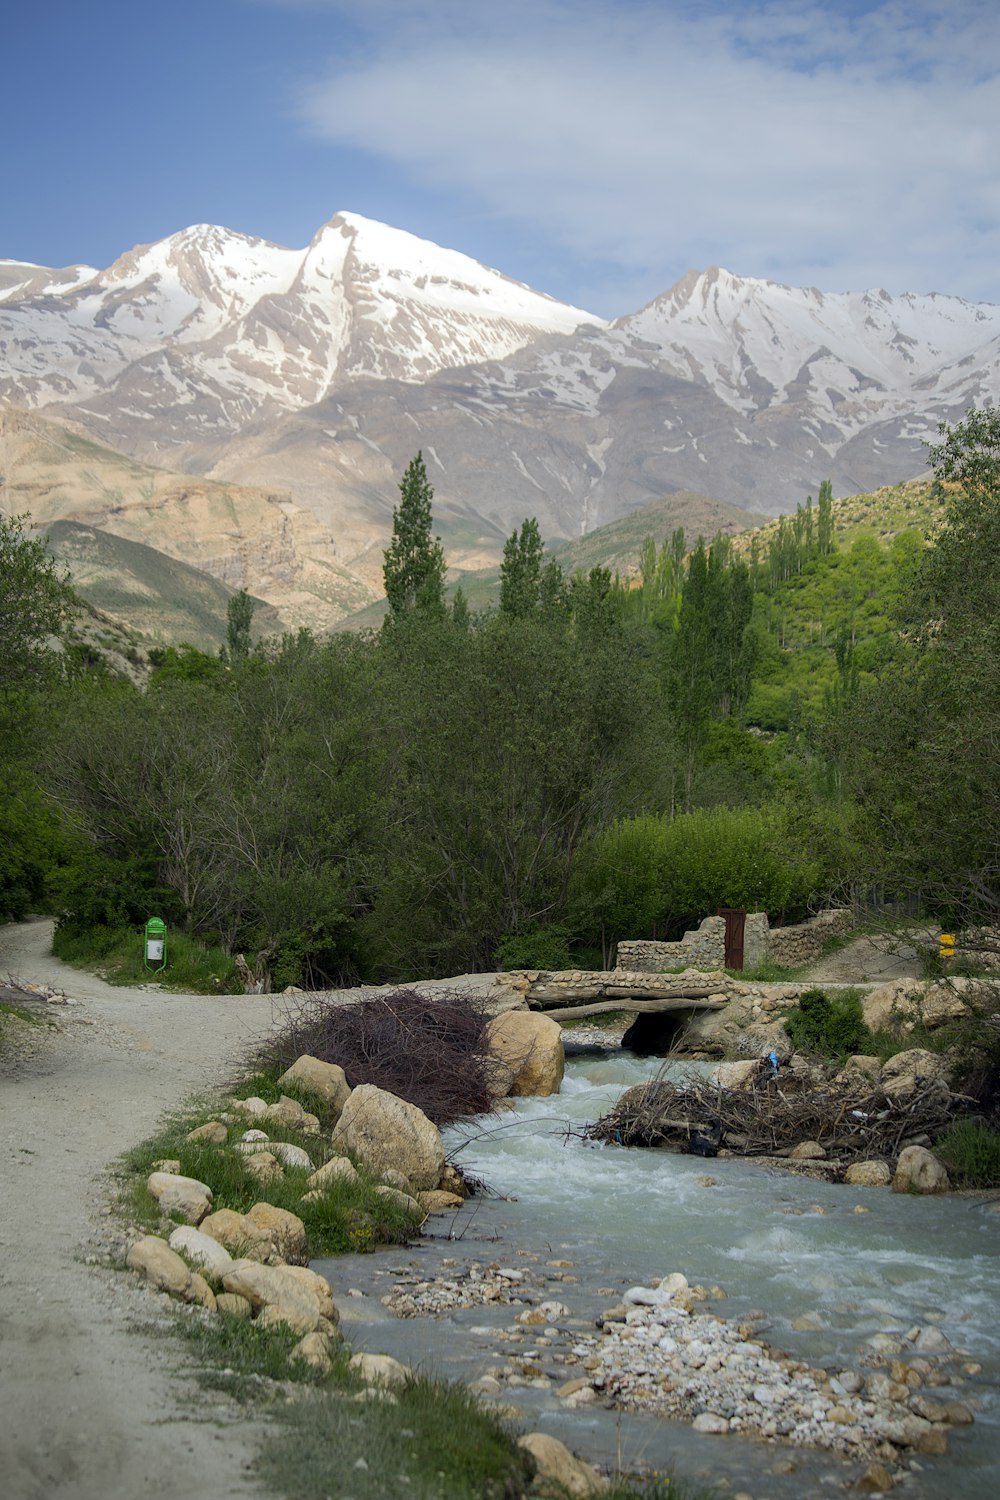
706,948
792,946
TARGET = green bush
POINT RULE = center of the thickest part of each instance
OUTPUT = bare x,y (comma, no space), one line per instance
192,966
657,877
542,948
970,1152
826,1026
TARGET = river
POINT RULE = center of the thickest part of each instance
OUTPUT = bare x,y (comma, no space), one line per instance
794,1249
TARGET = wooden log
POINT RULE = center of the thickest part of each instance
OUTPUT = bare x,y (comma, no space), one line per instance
698,1001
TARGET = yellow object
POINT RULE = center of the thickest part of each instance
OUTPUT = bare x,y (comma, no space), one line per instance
946,948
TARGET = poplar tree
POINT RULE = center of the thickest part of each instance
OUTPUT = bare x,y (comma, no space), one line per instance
521,570
413,566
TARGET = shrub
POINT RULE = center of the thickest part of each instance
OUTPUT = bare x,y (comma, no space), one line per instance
543,948
970,1152
828,1026
431,1052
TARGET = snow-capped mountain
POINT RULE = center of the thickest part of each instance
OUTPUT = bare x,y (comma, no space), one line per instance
190,337
321,371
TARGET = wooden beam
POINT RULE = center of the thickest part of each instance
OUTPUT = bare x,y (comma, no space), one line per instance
633,1007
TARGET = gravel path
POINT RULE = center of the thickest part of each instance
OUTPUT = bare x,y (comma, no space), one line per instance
875,960
93,1407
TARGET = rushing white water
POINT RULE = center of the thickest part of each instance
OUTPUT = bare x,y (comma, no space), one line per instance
792,1247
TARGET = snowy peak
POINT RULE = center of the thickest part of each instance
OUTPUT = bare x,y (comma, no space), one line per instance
273,325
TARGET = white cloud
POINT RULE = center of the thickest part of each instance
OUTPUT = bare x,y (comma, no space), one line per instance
838,145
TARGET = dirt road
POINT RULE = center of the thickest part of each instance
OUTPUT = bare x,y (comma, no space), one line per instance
91,1409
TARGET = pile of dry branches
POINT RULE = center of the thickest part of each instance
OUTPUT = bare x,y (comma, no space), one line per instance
774,1115
431,1052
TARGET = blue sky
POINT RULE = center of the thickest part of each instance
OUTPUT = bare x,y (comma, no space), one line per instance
596,149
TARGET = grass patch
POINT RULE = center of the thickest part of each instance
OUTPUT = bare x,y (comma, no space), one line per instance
970,1152
116,955
239,1356
20,1014
349,1217
435,1443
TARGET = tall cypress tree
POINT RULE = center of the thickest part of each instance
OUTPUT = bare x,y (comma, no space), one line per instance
413,566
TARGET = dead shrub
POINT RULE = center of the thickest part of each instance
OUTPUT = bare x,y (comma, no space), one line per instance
430,1051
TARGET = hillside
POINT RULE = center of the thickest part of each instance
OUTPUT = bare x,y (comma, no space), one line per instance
240,536
164,600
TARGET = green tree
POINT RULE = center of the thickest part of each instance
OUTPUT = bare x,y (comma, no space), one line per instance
413,567
35,599
521,570
239,617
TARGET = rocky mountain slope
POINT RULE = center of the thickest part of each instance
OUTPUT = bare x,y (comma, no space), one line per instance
316,374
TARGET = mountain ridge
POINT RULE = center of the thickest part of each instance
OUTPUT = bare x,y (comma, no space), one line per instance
318,373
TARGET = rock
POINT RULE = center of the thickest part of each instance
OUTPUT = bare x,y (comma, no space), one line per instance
380,1369
452,1182
291,1156
554,1461
909,1070
253,1106
288,1112
383,1131
265,1167
322,1078
287,1230
320,1288
200,1291
313,1350
710,1421
240,1235
868,1174
807,1151
186,1197
859,1067
260,1136
439,1202
275,1296
337,1169
528,1049
876,1480
167,1164
212,1134
395,1179
919,1171
735,1075
161,1266
205,1251
231,1305
405,1201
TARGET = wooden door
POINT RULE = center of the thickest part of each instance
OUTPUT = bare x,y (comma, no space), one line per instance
735,925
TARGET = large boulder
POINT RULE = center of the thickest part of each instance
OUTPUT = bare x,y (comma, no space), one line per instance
287,1230
275,1295
555,1462
162,1267
919,1171
337,1169
383,1131
207,1253
180,1197
327,1080
906,1071
902,1004
240,1235
735,1075
529,1050
868,1174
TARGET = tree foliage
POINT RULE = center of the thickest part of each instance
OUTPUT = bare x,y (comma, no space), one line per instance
414,568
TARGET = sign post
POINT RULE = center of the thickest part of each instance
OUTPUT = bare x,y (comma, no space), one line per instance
155,950
946,946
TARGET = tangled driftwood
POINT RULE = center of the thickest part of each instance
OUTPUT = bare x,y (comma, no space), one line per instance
774,1115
